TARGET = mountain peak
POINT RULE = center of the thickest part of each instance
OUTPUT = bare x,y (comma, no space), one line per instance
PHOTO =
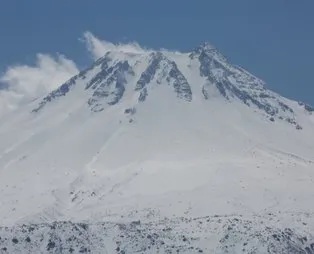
207,46
205,72
208,50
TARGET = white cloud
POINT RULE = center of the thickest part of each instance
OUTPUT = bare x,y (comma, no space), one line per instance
25,83
98,47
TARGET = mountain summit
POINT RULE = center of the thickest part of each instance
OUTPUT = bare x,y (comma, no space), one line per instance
166,137
203,71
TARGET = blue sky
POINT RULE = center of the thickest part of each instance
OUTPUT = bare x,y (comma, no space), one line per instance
273,39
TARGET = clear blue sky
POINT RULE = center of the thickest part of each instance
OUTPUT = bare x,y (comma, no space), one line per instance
273,39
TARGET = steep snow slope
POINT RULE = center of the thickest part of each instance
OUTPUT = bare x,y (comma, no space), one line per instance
158,134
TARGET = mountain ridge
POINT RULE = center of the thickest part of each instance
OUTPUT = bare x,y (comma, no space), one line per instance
232,82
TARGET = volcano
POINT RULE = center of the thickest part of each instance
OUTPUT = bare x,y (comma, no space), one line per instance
159,151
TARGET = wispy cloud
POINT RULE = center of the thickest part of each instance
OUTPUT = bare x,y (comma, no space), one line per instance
24,83
98,47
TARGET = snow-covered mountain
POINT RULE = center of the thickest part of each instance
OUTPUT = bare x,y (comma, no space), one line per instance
108,79
156,136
